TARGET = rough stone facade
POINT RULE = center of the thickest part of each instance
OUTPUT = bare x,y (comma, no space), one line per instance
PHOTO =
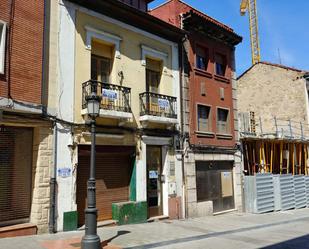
42,163
238,165
270,91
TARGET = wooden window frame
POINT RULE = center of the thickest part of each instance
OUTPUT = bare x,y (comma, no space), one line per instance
226,134
210,130
207,57
224,56
158,74
110,65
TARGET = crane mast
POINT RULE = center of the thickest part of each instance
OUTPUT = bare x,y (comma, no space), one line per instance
250,6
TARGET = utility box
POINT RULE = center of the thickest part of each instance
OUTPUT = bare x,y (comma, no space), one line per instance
259,193
70,221
227,183
129,212
172,189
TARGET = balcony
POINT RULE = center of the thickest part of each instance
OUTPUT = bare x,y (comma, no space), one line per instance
116,100
158,108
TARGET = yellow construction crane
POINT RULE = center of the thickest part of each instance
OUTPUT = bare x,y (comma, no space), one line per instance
250,5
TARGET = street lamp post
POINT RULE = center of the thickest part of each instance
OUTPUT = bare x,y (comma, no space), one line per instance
91,240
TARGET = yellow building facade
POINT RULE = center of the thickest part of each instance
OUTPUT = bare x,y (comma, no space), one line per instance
134,66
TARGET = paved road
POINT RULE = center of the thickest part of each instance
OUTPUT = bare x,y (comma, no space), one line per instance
282,230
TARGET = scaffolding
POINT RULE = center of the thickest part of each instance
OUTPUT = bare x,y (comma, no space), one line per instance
281,148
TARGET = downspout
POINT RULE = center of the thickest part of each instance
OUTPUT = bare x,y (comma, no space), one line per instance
53,185
181,70
10,43
45,58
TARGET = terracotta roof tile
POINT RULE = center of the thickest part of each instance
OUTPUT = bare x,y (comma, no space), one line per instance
274,65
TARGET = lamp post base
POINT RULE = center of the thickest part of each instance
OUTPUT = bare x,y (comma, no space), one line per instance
91,242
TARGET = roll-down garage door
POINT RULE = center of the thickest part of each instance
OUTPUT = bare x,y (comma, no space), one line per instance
113,174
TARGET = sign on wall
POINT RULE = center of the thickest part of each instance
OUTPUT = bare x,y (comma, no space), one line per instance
163,103
110,94
64,172
227,184
153,174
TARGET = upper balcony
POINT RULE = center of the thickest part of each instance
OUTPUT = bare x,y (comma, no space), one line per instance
158,108
116,100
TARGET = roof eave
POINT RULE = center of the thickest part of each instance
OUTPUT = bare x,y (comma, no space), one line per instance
211,29
134,17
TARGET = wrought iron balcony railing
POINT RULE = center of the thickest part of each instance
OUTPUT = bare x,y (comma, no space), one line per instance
158,105
114,97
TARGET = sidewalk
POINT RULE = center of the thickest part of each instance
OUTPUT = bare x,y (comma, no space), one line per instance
274,230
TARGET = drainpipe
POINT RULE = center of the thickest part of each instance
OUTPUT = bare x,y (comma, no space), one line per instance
53,185
181,69
9,45
45,57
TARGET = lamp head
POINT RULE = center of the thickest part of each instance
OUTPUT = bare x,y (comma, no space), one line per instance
93,105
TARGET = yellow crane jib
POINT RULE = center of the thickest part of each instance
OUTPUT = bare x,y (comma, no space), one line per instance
250,6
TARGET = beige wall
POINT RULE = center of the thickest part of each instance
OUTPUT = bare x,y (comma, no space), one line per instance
129,63
273,91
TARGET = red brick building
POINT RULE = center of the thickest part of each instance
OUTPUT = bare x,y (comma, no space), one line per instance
209,110
25,138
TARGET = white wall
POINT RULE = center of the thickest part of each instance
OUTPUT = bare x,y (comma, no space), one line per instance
65,111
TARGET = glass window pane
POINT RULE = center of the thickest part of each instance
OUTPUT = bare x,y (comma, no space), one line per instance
105,70
201,58
220,64
94,72
203,118
152,81
222,121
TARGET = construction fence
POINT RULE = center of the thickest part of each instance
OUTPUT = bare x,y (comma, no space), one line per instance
268,192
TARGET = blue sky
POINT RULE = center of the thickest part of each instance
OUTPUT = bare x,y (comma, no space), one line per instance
283,29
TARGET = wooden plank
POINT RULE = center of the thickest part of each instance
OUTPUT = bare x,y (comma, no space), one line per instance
271,156
300,159
248,159
305,161
281,156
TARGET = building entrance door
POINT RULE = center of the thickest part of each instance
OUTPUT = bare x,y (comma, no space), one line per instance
214,182
154,184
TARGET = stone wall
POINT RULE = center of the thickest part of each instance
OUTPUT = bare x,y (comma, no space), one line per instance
269,91
42,163
238,165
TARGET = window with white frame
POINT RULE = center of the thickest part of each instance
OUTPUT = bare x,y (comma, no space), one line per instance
2,45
